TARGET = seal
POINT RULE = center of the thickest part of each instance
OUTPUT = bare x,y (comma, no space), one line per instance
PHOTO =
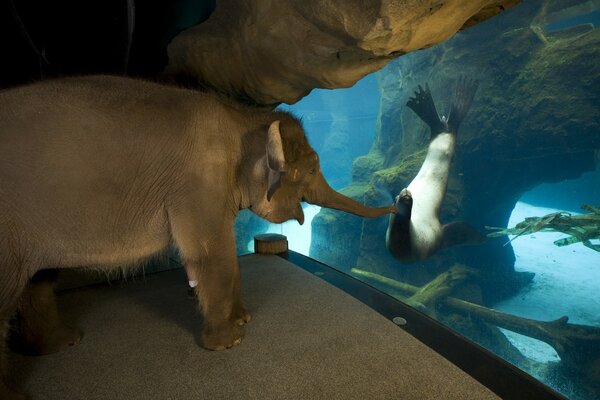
415,232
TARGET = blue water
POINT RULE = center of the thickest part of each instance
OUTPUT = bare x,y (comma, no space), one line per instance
535,120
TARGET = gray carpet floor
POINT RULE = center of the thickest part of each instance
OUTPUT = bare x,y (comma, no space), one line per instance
307,340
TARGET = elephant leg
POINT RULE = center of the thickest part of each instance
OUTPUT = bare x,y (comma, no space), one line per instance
220,328
6,392
13,280
38,323
207,245
240,314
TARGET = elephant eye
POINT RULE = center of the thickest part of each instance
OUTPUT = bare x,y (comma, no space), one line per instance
312,171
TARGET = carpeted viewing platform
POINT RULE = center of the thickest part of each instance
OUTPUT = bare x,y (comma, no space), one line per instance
306,340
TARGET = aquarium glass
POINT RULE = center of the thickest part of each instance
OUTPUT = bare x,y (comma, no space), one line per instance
525,176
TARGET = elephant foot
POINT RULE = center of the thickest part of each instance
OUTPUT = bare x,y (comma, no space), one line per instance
60,338
38,326
241,316
223,336
52,340
9,394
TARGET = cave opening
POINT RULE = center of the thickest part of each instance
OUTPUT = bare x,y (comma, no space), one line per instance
567,278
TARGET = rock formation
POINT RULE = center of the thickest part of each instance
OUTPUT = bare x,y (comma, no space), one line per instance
535,119
270,52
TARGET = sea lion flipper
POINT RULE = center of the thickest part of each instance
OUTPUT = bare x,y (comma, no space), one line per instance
465,91
422,104
460,233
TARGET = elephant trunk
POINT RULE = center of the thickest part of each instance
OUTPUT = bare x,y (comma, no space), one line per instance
321,194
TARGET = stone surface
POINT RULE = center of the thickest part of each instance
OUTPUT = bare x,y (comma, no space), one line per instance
535,119
272,51
270,243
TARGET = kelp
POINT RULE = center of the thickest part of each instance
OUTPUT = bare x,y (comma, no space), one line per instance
581,228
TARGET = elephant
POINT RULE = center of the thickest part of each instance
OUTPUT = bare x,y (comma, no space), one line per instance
106,172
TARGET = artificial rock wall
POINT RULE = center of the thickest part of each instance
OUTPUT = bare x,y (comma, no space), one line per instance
269,52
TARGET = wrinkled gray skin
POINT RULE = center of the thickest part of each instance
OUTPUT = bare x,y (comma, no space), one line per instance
107,171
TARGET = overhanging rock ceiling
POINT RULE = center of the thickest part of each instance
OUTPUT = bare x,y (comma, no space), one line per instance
278,51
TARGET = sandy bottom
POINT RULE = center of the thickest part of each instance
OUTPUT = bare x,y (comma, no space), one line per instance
566,283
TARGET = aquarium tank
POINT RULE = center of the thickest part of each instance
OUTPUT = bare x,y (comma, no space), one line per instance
525,175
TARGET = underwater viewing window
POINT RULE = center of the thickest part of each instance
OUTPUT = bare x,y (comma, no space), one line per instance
526,161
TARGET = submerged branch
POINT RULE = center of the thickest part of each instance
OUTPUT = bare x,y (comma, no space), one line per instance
577,345
581,228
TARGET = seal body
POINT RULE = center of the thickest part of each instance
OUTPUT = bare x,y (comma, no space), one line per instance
428,190
415,232
421,235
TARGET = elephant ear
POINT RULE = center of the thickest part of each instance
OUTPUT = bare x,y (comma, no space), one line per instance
275,159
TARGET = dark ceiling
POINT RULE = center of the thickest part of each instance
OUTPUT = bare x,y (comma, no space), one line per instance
43,39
